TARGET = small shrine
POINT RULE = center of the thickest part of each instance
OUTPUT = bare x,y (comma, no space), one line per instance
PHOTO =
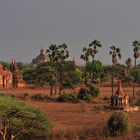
120,100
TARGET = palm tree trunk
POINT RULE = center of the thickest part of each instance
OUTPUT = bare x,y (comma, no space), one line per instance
85,73
51,90
60,79
92,67
112,79
3,81
134,77
55,92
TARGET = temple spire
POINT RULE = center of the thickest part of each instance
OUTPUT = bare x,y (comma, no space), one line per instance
73,61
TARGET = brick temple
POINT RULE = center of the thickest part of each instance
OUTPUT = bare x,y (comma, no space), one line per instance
11,77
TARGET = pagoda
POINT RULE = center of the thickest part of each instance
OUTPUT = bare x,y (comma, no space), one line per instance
120,100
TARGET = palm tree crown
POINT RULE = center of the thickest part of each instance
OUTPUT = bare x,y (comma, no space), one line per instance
115,52
136,48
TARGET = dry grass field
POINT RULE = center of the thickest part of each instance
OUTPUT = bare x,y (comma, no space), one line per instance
75,117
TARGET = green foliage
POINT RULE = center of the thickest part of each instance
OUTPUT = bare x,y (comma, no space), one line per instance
138,102
37,96
84,94
22,119
93,90
40,97
67,98
5,64
29,76
133,75
118,124
70,75
96,70
21,66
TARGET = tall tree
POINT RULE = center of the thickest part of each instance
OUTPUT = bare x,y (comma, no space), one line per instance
85,56
94,48
114,52
52,52
136,49
128,62
58,54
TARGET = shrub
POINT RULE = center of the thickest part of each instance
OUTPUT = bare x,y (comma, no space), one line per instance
101,107
118,124
68,85
65,97
41,97
107,99
37,96
138,102
84,95
19,120
93,90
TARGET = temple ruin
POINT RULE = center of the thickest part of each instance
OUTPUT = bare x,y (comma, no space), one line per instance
5,77
41,58
17,78
11,77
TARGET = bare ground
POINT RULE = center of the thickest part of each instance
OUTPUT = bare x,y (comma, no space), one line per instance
76,116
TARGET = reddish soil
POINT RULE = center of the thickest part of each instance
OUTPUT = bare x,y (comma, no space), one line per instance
75,116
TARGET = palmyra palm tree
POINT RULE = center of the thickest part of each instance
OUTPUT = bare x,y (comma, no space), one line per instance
85,56
94,48
128,62
114,52
58,54
136,49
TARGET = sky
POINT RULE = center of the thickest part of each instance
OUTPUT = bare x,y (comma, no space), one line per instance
27,25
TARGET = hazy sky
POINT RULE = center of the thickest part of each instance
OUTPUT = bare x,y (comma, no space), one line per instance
26,24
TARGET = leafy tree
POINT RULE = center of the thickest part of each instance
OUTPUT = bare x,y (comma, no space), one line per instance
133,74
19,120
29,75
70,75
136,49
97,70
114,52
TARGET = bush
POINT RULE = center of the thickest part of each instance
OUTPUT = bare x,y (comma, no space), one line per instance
138,102
41,97
67,98
118,124
93,90
68,85
84,95
106,98
135,102
37,96
20,120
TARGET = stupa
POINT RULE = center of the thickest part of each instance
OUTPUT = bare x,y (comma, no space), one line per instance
120,100
17,78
